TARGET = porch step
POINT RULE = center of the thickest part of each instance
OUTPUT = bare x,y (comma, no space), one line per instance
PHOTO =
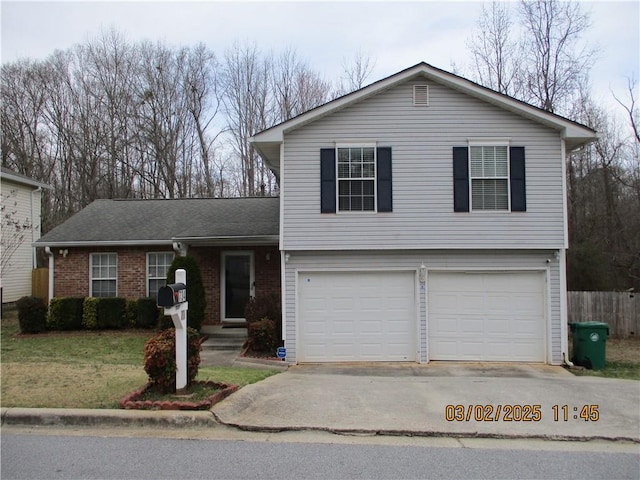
223,338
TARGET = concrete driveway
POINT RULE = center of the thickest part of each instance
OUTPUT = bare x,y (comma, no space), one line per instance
442,398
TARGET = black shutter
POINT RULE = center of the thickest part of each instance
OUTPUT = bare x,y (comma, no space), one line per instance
460,179
385,197
517,179
327,180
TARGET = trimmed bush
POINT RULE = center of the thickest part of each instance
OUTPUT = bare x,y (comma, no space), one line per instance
90,313
263,337
32,315
65,313
131,313
160,359
195,289
268,306
147,313
104,313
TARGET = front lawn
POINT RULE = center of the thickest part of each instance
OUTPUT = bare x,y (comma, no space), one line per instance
84,369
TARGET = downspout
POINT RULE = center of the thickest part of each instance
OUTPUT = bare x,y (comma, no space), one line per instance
51,276
564,344
34,258
562,260
180,249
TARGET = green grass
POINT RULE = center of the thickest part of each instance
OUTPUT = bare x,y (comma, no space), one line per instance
84,369
624,370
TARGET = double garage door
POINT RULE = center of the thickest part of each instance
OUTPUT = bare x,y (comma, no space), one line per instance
372,316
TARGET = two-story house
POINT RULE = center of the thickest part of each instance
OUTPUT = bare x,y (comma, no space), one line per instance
423,217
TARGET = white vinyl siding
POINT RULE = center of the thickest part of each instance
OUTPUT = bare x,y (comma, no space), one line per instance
422,140
489,174
158,264
434,261
104,274
21,203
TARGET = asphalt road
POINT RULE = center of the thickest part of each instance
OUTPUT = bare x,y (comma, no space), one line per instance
90,456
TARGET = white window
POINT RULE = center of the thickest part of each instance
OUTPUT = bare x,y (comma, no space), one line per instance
489,173
356,178
158,264
104,274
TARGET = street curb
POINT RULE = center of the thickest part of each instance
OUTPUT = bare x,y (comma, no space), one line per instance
96,417
423,433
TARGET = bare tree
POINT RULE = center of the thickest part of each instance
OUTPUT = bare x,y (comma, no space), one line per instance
355,73
494,50
553,60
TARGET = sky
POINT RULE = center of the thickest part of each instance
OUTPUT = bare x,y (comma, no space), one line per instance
396,35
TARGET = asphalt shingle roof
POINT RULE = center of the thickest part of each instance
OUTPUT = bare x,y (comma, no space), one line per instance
164,220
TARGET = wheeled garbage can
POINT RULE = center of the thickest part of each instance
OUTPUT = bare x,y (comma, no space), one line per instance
589,344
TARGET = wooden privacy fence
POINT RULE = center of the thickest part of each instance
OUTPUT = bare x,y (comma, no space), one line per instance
40,283
620,310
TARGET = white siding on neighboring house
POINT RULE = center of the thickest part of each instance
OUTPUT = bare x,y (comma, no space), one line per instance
24,200
540,264
421,139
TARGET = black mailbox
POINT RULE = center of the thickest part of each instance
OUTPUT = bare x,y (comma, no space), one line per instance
172,294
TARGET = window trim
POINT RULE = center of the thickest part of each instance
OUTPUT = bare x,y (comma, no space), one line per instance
149,277
91,278
507,178
374,147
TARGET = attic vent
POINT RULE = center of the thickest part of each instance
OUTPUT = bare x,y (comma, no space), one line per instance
421,95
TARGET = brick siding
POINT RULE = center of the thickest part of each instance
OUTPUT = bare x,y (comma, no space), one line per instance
71,273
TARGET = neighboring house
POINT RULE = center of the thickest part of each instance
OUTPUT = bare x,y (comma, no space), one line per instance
21,218
423,217
124,248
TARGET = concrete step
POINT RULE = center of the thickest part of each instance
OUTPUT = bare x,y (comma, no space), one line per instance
223,344
223,338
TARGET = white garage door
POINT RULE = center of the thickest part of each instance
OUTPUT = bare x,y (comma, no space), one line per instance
357,316
487,316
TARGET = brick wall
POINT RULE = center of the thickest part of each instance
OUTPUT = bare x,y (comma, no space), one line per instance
71,274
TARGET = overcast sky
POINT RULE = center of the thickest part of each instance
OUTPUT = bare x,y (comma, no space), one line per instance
395,34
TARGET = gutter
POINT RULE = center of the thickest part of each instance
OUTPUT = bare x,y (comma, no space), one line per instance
107,243
51,275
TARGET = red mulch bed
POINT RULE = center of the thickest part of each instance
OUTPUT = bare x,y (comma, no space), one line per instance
133,402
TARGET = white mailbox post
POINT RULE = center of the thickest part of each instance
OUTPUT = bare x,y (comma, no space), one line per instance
173,298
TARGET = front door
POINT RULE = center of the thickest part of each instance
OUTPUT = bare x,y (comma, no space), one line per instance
237,284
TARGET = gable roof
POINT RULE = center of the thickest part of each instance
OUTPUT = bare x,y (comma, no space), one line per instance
217,221
7,174
268,141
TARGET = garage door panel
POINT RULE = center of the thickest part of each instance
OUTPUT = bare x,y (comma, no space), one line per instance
366,316
486,316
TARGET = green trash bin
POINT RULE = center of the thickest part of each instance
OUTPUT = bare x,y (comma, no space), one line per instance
589,344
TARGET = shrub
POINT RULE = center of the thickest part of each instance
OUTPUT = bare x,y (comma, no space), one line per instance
90,313
268,306
104,313
32,315
65,313
258,309
263,336
131,312
147,313
160,359
195,289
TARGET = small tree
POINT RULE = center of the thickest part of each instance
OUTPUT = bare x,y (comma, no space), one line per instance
195,289
14,229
